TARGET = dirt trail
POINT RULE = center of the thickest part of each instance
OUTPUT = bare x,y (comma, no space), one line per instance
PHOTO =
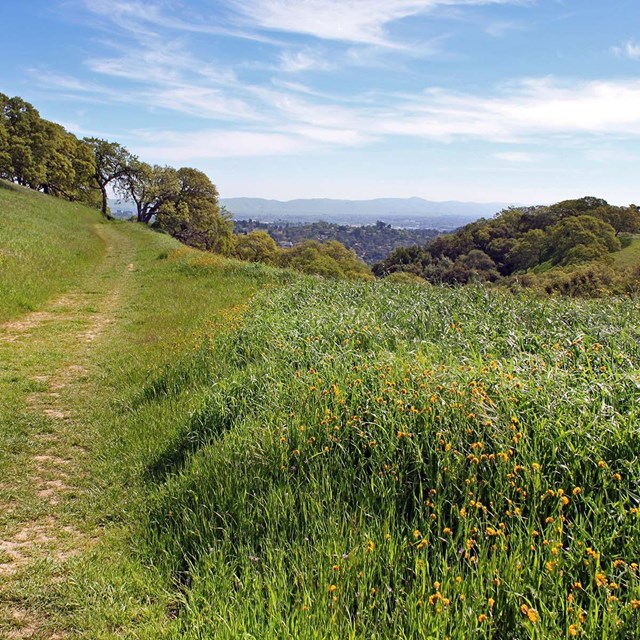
51,350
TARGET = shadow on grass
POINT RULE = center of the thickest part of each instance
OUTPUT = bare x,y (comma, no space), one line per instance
209,423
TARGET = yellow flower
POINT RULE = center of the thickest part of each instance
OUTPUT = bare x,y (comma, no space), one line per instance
481,618
422,544
371,545
491,602
336,567
602,464
416,534
533,616
635,604
576,491
573,630
332,588
601,580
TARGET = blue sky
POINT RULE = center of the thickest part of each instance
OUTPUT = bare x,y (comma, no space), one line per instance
526,101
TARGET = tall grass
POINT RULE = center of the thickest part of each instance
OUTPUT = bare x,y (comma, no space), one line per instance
45,246
372,461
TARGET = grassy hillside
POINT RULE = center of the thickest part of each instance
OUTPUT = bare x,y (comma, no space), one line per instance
45,243
629,257
375,462
114,310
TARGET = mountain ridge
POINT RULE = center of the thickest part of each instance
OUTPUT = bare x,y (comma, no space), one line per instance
412,211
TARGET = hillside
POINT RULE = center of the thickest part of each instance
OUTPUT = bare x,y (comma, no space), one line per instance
371,243
549,247
201,448
95,309
44,244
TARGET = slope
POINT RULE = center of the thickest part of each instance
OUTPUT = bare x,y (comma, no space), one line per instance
110,303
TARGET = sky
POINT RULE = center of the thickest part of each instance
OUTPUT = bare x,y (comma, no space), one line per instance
527,101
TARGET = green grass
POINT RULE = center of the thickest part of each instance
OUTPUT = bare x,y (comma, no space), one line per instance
45,244
371,462
149,302
629,256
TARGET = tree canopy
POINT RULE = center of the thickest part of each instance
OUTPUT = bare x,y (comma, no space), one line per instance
519,239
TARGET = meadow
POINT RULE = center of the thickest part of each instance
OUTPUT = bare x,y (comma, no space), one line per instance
372,461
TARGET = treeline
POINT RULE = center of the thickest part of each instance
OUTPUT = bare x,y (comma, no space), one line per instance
42,155
518,242
371,243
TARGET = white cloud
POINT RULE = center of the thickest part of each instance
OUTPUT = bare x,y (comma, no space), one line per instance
361,21
520,157
526,109
630,49
499,29
304,60
175,147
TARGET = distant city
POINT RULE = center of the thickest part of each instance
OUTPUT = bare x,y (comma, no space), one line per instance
405,213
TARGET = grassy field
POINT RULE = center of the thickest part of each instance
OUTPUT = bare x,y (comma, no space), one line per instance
45,244
628,257
373,462
198,448
118,304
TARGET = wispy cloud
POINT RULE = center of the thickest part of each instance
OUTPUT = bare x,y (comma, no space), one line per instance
500,29
525,109
520,157
306,59
629,49
359,21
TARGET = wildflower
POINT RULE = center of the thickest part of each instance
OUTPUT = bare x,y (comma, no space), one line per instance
574,630
617,477
481,618
601,580
422,544
371,545
336,567
635,604
602,464
533,616
416,534
576,491
332,588
436,586
491,602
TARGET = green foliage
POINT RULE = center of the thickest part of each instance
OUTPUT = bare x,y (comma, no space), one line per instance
256,246
371,243
112,162
581,238
193,215
330,259
519,240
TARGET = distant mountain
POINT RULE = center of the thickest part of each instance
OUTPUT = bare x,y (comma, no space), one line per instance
400,212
